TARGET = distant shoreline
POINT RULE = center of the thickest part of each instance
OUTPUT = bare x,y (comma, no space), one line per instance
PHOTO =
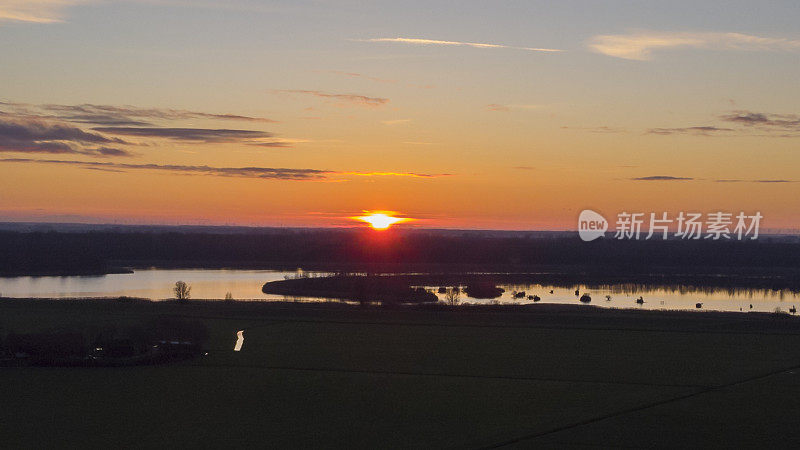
436,274
349,250
66,273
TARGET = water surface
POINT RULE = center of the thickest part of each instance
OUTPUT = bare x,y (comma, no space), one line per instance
157,284
154,284
664,297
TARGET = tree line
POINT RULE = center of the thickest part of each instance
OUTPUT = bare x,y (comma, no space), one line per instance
99,252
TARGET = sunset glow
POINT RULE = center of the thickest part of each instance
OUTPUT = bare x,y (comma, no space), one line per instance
381,220
518,126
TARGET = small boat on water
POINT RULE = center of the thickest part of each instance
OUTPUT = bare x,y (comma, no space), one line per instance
585,298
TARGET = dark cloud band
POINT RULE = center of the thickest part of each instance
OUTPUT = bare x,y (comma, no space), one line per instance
23,135
133,116
240,172
662,178
207,135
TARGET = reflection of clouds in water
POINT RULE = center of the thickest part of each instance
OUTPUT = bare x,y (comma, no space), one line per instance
239,341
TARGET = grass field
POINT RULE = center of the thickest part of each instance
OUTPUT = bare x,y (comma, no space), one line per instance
331,375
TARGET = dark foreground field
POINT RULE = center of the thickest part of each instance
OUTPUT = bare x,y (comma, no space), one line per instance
331,375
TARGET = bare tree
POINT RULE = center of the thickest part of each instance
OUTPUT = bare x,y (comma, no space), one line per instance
451,296
182,290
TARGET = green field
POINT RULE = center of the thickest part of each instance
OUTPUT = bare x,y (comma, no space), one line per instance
330,375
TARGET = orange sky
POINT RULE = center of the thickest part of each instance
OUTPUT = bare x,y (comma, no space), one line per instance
493,123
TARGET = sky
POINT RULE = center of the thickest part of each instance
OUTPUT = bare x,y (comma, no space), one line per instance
458,114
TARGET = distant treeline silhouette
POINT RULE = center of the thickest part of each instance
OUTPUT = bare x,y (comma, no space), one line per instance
398,287
364,289
356,249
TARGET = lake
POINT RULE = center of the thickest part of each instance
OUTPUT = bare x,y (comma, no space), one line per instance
156,284
674,297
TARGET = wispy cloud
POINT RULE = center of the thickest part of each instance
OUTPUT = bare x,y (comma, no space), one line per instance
419,41
742,123
24,135
781,122
122,115
398,174
35,11
395,122
204,135
239,172
662,178
50,11
136,122
697,131
640,46
244,172
272,144
354,99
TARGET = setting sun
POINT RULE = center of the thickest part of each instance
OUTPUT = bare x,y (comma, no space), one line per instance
381,220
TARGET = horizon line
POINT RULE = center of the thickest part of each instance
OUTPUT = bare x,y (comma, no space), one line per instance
766,231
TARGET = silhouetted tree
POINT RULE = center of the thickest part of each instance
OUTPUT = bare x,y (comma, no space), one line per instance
182,290
451,296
